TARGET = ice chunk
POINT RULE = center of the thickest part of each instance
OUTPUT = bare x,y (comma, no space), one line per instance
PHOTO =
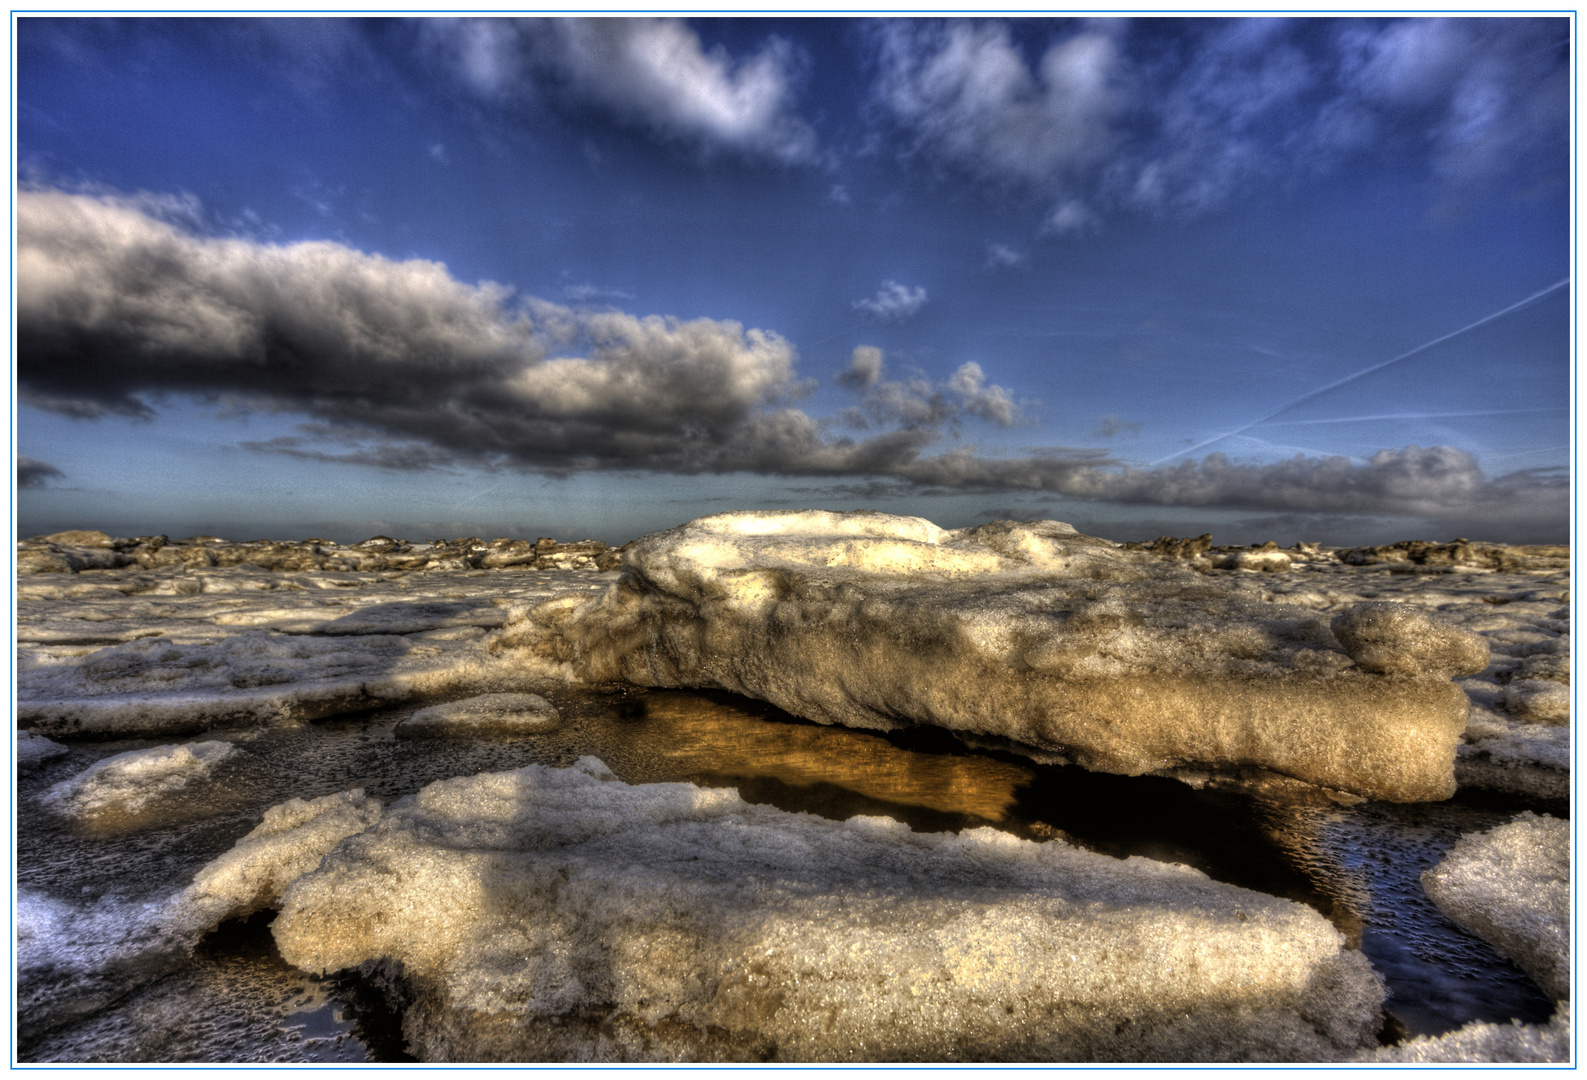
560,914
484,714
1511,887
1538,701
72,960
1397,639
33,750
1068,645
291,840
128,782
1479,1042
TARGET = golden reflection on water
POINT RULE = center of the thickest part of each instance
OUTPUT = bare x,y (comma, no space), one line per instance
689,736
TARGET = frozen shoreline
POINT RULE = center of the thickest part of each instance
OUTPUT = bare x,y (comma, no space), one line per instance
278,646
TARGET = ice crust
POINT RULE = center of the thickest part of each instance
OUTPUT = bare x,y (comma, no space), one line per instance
1511,887
290,842
1066,644
244,647
126,783
505,714
560,914
1486,1043
33,750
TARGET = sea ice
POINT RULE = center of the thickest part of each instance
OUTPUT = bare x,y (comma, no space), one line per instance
485,714
291,840
33,750
1511,887
560,914
1063,644
1486,1043
126,783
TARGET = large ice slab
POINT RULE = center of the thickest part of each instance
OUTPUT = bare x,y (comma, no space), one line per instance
1067,645
1511,887
560,914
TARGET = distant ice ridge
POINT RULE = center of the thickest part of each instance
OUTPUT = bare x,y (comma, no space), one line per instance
560,914
1511,887
129,782
1067,645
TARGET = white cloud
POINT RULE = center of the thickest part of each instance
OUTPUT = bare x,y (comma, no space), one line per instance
1138,117
965,94
893,302
655,73
1003,257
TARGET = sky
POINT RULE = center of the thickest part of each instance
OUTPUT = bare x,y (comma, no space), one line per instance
1280,278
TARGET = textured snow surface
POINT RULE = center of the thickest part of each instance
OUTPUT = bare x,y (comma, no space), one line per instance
551,914
242,646
291,840
1067,644
500,713
128,782
1496,1043
1511,887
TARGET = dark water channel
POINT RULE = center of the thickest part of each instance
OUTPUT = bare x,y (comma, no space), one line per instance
235,1000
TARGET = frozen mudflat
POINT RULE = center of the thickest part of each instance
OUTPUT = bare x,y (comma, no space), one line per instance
307,670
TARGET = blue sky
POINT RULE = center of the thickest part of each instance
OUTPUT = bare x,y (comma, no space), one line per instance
439,277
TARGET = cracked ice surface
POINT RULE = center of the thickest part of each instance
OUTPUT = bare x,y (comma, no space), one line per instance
563,914
1061,643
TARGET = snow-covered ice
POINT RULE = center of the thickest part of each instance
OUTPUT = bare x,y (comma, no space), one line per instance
32,750
504,714
1062,643
1511,887
551,914
126,783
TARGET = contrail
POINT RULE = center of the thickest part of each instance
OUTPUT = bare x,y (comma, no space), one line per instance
1364,371
1414,416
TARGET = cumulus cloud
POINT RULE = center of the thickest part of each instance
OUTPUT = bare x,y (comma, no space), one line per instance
401,366
654,73
33,473
916,402
1183,116
966,96
893,302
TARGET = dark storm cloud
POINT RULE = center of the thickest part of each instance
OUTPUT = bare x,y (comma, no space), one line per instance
33,473
408,368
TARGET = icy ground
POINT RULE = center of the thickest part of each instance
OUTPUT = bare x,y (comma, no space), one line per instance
306,674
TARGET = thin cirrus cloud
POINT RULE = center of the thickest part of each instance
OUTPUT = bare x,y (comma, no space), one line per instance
400,366
1108,118
653,73
893,302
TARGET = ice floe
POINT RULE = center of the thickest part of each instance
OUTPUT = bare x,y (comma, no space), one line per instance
128,782
560,914
1066,644
33,750
504,714
1511,887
